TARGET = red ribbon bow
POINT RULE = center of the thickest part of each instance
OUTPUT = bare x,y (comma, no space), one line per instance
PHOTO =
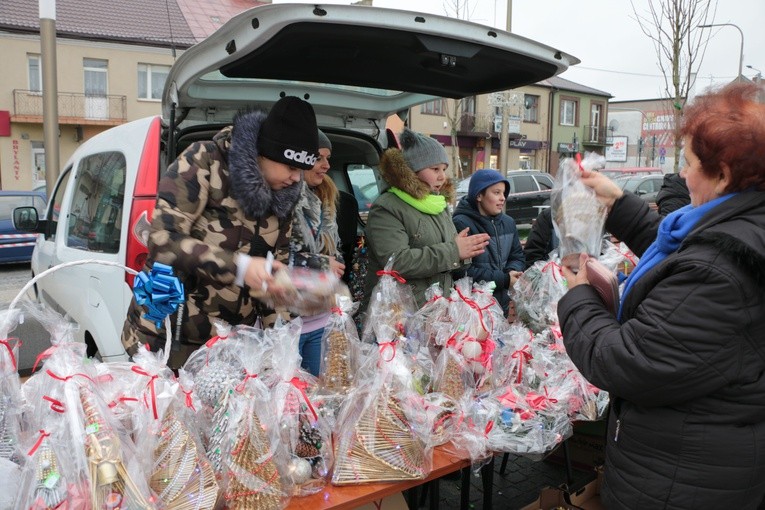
39,441
554,267
394,274
7,343
301,385
383,346
523,355
150,384
189,400
240,387
539,402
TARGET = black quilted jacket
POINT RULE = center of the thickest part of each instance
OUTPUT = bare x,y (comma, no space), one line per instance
686,367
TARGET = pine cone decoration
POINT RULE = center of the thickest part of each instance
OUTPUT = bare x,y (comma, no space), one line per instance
306,451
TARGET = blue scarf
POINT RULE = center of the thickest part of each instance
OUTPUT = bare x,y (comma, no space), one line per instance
672,231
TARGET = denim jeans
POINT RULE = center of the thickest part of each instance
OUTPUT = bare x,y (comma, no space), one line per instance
310,349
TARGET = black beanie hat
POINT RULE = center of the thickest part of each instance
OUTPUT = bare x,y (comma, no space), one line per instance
289,134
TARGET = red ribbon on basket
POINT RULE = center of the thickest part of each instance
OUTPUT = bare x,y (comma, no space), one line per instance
46,353
553,266
578,158
55,405
39,441
394,274
114,403
189,400
7,343
336,310
68,377
383,346
472,304
152,389
523,355
240,387
301,385
539,402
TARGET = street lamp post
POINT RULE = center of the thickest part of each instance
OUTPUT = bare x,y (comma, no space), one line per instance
741,52
758,76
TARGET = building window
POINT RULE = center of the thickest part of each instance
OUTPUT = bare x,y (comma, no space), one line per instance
433,107
35,73
151,80
568,111
530,108
95,76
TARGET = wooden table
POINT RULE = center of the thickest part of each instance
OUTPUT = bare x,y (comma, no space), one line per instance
346,497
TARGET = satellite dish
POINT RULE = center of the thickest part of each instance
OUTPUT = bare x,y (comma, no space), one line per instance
613,125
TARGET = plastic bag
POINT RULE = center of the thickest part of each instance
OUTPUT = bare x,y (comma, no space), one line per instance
304,291
391,306
578,217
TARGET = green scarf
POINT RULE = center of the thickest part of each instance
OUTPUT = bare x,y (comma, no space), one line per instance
432,204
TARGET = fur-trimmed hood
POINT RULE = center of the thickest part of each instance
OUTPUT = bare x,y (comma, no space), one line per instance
248,186
395,172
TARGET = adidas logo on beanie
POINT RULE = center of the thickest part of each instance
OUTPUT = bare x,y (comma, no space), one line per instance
289,134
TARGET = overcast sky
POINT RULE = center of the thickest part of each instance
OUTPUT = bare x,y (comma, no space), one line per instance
616,56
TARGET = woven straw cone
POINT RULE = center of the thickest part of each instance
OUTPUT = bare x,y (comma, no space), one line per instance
264,488
451,380
337,373
382,450
181,479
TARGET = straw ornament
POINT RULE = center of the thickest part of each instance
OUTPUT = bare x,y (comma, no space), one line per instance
382,448
50,489
8,432
337,374
254,480
218,430
110,484
181,479
451,383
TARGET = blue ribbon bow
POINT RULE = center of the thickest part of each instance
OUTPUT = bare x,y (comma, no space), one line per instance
159,291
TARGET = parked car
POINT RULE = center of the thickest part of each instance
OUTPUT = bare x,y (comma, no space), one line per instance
613,173
355,66
462,189
644,186
17,245
529,193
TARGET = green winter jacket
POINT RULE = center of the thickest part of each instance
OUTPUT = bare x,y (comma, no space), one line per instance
424,245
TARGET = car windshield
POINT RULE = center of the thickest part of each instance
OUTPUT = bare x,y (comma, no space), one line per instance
364,183
463,186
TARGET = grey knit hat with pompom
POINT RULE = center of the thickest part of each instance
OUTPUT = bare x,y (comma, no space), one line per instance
421,151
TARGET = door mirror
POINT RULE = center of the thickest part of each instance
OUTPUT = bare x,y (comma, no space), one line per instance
25,219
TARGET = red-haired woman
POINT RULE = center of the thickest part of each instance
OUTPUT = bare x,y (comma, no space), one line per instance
684,361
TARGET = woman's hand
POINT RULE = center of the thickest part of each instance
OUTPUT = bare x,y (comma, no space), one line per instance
470,246
606,190
259,272
573,279
336,267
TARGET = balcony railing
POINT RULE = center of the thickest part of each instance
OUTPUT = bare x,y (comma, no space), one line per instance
594,135
72,108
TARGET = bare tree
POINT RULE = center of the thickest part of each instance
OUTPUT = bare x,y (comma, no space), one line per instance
672,26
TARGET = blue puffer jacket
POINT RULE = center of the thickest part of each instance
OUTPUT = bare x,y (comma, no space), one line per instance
502,255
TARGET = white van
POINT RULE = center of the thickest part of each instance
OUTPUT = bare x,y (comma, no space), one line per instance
356,66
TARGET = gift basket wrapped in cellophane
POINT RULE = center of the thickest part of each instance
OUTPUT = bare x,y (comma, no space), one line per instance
305,433
578,217
340,352
11,456
379,437
537,292
101,466
391,305
304,291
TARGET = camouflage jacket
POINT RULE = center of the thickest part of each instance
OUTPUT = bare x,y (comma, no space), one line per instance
214,203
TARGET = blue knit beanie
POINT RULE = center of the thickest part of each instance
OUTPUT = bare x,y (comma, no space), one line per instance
482,179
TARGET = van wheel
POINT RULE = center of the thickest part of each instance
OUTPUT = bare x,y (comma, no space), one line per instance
92,348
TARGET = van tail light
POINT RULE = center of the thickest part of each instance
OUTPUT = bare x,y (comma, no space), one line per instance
138,237
144,200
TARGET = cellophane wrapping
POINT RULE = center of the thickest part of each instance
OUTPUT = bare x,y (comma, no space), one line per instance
11,456
304,291
578,217
305,433
391,305
381,436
